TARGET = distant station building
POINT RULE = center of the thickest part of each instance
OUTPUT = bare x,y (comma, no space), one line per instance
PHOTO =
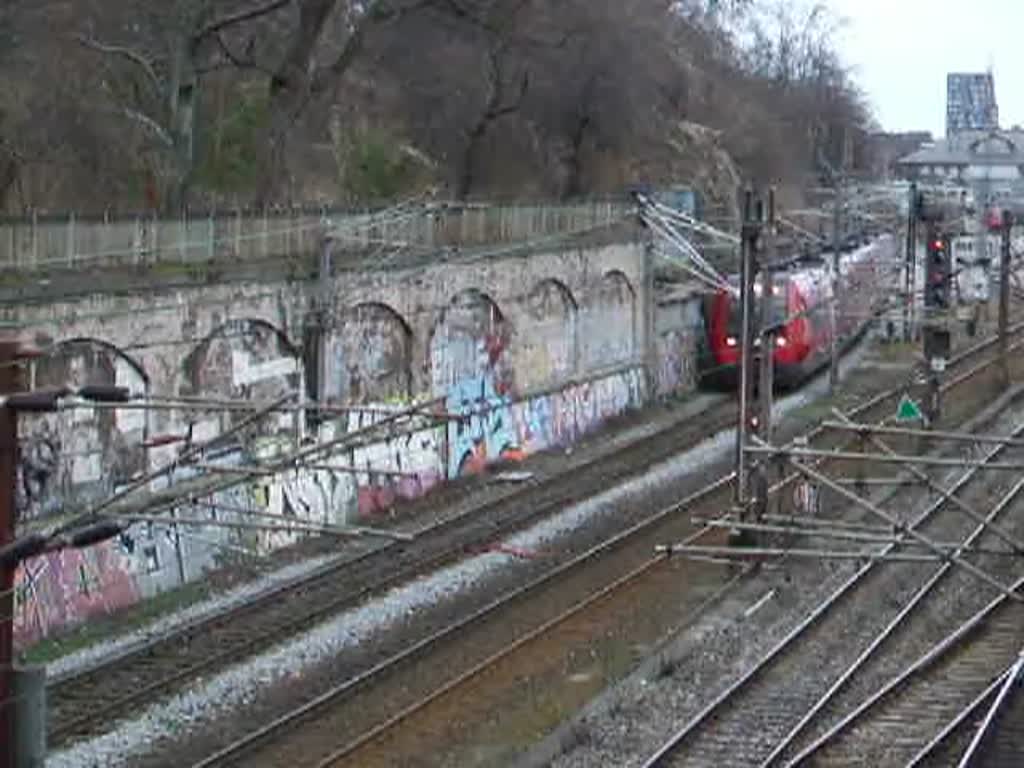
975,151
969,157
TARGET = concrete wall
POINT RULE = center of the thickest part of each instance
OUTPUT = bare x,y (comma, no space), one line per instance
535,350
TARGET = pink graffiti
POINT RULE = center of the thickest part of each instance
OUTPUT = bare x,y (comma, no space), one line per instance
62,589
381,495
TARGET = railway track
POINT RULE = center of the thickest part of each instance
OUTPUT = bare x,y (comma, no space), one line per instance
988,732
312,729
852,636
86,704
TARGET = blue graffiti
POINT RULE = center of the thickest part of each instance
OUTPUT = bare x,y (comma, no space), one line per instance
486,432
538,429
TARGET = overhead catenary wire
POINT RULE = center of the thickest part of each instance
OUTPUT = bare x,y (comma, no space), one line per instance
669,230
691,259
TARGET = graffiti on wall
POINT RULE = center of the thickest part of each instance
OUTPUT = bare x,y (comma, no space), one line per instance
65,588
243,360
563,417
680,331
84,452
469,341
369,357
485,433
403,466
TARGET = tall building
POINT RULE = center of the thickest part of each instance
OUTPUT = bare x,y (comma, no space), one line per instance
970,103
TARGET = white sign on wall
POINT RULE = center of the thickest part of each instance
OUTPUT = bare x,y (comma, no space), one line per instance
245,372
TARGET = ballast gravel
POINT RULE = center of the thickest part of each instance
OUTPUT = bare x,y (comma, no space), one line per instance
81,660
239,685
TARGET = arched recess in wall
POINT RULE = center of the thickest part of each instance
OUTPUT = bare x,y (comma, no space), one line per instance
369,356
468,343
546,352
609,326
87,452
244,359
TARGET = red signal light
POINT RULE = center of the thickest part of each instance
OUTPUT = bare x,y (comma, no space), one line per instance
938,245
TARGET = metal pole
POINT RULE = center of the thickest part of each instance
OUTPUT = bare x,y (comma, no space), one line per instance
767,318
766,334
30,716
833,368
909,281
322,334
1004,298
8,478
746,285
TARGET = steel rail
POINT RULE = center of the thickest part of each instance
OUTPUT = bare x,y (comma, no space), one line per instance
953,725
253,741
922,663
974,748
674,742
95,711
918,598
196,626
636,574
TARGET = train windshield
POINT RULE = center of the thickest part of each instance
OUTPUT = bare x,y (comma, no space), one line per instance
777,312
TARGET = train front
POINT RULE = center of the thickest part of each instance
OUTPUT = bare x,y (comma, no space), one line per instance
724,321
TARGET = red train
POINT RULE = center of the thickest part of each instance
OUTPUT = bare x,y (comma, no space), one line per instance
800,303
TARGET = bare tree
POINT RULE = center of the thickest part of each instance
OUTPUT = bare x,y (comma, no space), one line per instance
173,44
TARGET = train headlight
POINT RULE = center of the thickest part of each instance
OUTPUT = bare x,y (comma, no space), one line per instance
780,341
730,341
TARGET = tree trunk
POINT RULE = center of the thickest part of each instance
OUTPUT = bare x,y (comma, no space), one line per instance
574,177
291,89
183,91
9,172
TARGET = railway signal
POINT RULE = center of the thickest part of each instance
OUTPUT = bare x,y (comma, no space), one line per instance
939,273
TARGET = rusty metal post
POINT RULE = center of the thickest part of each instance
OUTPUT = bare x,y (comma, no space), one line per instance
766,370
747,245
8,477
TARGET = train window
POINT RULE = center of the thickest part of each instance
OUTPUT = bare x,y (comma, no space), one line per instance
777,312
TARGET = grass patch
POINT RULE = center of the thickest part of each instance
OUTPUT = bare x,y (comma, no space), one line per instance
98,630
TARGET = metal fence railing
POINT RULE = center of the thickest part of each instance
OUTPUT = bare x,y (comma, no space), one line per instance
69,242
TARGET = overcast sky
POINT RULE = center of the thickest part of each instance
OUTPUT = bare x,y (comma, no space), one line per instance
902,49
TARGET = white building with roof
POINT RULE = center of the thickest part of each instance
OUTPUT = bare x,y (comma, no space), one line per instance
972,158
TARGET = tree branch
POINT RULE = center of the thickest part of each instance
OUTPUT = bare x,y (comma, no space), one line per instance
235,60
240,17
125,53
147,122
